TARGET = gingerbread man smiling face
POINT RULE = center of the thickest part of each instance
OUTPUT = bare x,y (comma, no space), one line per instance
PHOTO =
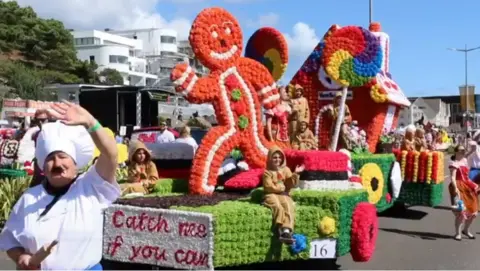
216,38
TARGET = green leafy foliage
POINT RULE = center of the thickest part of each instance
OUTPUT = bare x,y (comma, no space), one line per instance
112,77
10,192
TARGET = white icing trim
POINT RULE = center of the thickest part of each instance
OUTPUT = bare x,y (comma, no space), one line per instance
322,75
190,85
184,77
267,89
271,98
319,118
242,165
226,55
329,185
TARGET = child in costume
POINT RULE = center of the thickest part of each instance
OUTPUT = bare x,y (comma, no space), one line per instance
464,191
278,180
142,172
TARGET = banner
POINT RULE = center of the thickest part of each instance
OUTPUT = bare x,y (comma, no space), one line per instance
467,95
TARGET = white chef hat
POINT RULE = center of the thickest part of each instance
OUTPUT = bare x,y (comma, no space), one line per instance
72,140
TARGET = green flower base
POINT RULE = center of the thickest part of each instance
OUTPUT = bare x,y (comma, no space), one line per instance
239,243
422,194
384,161
12,173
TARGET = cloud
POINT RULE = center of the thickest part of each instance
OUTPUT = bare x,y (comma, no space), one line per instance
302,40
114,14
269,19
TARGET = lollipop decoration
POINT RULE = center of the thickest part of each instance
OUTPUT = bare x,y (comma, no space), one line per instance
352,56
268,46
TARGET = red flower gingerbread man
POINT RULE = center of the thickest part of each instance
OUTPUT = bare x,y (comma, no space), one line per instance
237,87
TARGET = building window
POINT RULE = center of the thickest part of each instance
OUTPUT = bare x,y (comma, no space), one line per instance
118,59
92,58
168,39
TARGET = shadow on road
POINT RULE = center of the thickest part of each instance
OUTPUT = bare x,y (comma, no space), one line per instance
447,208
418,234
403,213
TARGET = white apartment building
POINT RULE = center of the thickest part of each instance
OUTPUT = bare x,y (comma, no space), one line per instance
434,111
114,52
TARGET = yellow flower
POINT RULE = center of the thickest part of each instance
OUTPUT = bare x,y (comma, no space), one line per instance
327,225
377,95
278,68
372,181
440,173
429,167
415,166
333,68
403,163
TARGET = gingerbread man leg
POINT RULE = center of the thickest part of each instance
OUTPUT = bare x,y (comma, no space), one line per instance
215,146
255,148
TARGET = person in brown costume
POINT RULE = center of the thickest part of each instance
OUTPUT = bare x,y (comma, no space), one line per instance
420,141
278,180
305,139
300,110
142,172
408,143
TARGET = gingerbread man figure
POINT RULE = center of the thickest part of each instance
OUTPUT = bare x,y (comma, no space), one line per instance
237,87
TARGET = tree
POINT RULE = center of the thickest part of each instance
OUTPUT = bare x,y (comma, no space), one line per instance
112,77
86,71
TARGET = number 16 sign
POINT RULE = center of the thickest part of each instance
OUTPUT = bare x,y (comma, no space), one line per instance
323,249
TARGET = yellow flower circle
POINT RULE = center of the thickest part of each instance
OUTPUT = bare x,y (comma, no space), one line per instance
372,181
327,225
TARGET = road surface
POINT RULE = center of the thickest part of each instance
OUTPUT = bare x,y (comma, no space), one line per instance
420,238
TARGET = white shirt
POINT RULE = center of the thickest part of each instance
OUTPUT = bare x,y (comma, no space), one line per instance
188,140
165,137
474,158
75,221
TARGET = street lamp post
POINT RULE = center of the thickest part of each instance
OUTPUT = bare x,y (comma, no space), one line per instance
466,50
370,11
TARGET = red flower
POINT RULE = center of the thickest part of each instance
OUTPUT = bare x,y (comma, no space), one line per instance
246,180
232,83
355,179
364,232
388,197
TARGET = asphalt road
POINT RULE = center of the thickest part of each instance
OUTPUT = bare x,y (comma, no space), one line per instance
419,238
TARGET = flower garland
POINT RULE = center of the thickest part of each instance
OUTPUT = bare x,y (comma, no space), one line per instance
409,166
404,163
415,166
422,166
352,56
435,167
364,232
441,165
372,181
429,167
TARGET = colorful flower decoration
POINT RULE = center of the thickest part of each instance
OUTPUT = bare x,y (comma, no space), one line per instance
216,39
372,181
377,93
299,245
423,167
352,56
313,62
245,180
327,226
269,47
364,232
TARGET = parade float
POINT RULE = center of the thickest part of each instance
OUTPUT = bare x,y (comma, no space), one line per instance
198,224
209,222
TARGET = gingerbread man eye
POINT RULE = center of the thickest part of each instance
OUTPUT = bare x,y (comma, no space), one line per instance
214,34
228,31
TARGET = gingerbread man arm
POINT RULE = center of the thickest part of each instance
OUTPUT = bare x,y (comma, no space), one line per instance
261,80
196,90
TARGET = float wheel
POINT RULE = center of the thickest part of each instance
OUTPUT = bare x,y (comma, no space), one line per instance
372,181
364,232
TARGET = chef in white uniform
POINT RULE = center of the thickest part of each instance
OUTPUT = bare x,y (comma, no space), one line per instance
66,207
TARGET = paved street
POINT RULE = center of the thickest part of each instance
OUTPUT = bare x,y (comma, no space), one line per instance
421,238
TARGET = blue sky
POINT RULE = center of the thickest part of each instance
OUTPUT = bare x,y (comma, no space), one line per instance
420,31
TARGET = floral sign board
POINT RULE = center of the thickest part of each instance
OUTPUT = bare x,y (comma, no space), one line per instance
158,237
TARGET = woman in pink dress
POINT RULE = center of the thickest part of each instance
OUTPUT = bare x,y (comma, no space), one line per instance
463,194
277,120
